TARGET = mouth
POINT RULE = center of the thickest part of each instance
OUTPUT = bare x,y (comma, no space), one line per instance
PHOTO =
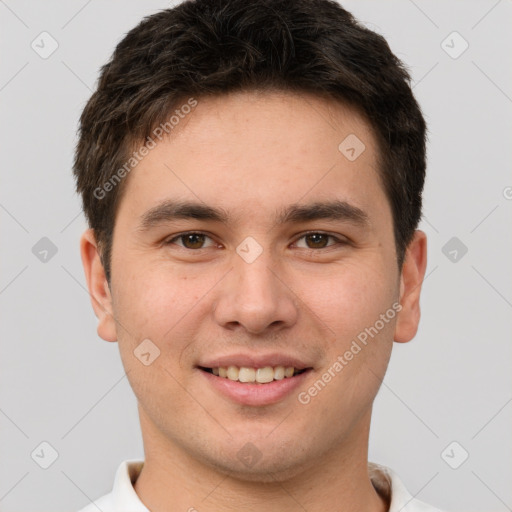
254,386
249,375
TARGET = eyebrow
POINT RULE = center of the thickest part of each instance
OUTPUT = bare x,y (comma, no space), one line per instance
170,210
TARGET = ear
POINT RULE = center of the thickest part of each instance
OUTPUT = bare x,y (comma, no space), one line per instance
411,279
97,284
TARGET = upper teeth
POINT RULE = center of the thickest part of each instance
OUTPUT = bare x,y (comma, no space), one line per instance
261,375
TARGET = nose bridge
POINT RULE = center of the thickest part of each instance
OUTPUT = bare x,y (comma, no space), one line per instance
256,281
255,296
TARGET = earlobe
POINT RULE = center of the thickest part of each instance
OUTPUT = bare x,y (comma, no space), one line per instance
97,284
411,279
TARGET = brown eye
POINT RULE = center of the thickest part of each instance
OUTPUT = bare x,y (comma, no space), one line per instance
193,240
317,240
189,240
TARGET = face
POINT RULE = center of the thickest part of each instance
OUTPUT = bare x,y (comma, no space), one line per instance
285,257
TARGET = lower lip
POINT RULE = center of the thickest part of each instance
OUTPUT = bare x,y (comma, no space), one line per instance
256,394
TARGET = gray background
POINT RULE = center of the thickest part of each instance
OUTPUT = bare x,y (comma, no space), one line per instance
62,384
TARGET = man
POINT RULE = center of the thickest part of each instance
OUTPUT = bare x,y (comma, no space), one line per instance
252,175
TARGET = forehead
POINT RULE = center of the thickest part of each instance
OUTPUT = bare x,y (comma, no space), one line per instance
253,149
270,118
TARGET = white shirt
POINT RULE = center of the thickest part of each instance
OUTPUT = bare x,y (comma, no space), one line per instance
123,497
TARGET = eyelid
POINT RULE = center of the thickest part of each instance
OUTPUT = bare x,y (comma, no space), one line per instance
339,239
169,241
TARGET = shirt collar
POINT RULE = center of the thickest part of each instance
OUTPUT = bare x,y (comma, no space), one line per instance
385,481
124,496
388,484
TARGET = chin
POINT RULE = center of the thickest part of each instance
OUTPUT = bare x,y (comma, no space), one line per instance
271,463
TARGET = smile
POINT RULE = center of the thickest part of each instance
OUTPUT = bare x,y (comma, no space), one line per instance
246,374
255,387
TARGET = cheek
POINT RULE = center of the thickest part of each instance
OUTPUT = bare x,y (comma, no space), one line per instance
358,342
160,306
349,299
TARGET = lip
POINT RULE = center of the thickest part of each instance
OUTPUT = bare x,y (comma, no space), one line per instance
255,361
255,394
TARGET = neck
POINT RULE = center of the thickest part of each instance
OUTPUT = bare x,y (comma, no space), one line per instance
172,480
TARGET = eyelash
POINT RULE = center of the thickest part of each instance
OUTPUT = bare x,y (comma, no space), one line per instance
338,240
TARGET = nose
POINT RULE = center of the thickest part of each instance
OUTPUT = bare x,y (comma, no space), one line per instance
256,296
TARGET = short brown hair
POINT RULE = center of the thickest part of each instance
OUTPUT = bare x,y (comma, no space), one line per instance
212,47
